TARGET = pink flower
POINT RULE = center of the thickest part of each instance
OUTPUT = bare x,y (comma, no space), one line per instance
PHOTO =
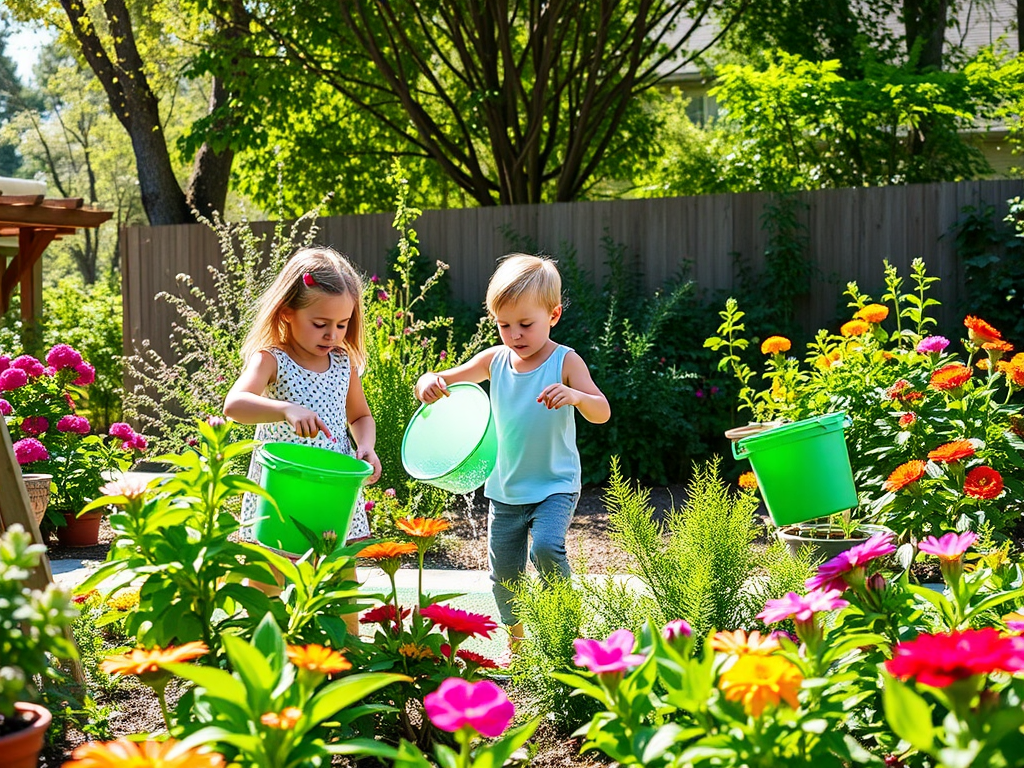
49,371
5,363
382,295
950,547
28,364
801,608
35,425
832,573
129,487
86,375
932,345
374,279
368,506
390,493
28,450
13,378
135,443
458,704
216,421
5,408
77,424
63,356
121,430
442,354
676,631
380,321
942,659
612,655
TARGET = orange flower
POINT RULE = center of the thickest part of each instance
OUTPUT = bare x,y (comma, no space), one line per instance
831,360
386,550
739,643
421,527
998,346
775,345
1013,369
142,661
148,754
855,328
904,475
416,652
872,313
285,721
978,331
950,452
758,681
952,376
748,482
317,658
908,419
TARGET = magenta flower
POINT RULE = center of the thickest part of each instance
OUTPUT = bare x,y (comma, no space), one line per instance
35,425
832,574
77,424
390,493
121,430
135,443
382,295
374,279
5,363
950,547
13,378
676,630
28,364
49,371
63,356
932,345
86,375
442,354
458,704
801,608
612,655
368,506
5,408
216,421
29,449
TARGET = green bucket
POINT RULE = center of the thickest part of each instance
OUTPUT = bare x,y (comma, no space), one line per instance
803,468
315,486
452,443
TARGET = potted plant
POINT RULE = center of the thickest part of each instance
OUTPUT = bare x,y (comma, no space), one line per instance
31,627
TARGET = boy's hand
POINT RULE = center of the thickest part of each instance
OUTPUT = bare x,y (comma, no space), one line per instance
370,457
305,422
431,387
557,395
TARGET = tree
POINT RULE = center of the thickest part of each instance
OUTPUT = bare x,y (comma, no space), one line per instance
517,102
9,83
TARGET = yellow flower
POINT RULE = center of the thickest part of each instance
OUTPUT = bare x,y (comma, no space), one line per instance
317,658
142,661
125,600
759,681
148,754
872,313
416,652
832,359
739,643
855,328
775,345
748,482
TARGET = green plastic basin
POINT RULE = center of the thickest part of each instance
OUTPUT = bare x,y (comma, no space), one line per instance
313,485
452,443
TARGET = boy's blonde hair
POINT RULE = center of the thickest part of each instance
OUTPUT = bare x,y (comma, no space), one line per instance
520,276
331,273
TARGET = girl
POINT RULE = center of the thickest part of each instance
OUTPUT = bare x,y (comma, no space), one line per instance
302,358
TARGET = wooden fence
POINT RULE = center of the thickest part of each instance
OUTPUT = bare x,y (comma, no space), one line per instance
851,232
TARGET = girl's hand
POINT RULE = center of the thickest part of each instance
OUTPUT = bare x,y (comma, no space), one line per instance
431,387
370,457
305,422
557,395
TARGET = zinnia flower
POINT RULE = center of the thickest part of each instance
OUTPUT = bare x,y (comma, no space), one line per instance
950,452
148,754
774,345
908,419
384,614
978,331
142,661
28,364
760,681
940,660
739,643
63,356
848,566
126,486
86,375
79,425
462,622
855,328
35,425
801,608
12,379
932,345
747,481
317,658
421,527
904,475
950,547
983,483
949,377
285,721
458,704
29,449
608,656
872,313
386,550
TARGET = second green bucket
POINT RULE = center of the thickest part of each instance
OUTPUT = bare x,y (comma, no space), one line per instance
316,486
803,469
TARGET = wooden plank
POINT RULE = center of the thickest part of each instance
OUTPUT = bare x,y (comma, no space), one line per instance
20,199
15,508
63,202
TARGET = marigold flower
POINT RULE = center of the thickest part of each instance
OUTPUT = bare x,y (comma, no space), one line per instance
29,450
1013,369
739,643
458,703
284,721
908,419
933,345
608,656
978,331
415,652
747,481
950,452
129,487
950,547
872,313
386,550
998,346
904,475
949,377
983,483
760,681
148,754
421,527
831,360
774,345
142,660
317,658
855,328
462,622
942,659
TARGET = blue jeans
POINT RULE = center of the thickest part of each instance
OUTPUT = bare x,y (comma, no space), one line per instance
508,529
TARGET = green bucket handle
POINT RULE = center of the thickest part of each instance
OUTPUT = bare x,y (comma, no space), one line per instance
284,466
740,451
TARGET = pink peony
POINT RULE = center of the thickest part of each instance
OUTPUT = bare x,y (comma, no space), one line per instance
801,608
63,356
5,363
28,450
121,430
86,375
35,425
49,371
612,655
13,378
5,408
135,443
458,704
28,364
77,424
950,547
932,345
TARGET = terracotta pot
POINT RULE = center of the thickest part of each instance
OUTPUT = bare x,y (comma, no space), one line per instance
824,541
21,749
80,531
38,487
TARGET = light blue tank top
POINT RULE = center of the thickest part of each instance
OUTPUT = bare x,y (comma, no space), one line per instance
537,453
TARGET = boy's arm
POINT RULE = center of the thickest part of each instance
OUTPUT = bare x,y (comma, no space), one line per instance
246,404
578,390
362,426
433,386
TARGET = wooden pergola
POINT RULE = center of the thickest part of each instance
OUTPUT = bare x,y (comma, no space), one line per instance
37,221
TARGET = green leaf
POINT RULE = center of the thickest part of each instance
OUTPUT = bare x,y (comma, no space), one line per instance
251,666
224,684
368,747
339,694
410,757
908,713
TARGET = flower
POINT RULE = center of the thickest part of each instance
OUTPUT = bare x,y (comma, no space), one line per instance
390,493
462,622
421,527
382,295
942,659
1013,369
63,356
29,365
978,331
740,643
384,614
34,425
932,345
29,449
386,550
950,452
949,377
148,754
747,481
369,505
612,655
79,425
12,379
5,363
285,721
950,547
832,573
415,652
458,704
872,313
86,375
801,608
5,408
216,421
121,430
855,328
908,419
904,475
983,483
135,443
1014,621
775,345
129,487
141,661
676,630
471,658
124,600
317,658
759,681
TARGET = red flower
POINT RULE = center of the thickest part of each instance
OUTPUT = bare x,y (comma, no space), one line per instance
950,452
983,483
476,659
942,659
908,419
980,331
952,376
462,622
384,614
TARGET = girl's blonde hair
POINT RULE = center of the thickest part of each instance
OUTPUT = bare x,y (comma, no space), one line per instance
520,276
330,273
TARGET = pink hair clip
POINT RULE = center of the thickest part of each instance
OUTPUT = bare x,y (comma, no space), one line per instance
309,280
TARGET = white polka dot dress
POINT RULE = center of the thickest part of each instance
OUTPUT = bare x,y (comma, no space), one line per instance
323,393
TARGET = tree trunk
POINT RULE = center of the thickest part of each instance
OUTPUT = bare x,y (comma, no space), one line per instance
211,171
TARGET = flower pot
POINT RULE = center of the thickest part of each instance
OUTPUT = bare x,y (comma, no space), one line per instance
38,487
825,541
80,531
21,748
